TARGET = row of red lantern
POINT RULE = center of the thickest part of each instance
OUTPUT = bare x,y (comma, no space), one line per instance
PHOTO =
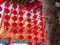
15,12
14,6
29,31
21,37
22,7
29,37
42,29
21,18
7,17
22,25
6,10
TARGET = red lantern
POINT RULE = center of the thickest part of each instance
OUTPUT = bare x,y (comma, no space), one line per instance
20,24
35,21
29,20
7,4
35,33
35,39
21,37
6,10
14,24
41,28
35,16
40,13
42,41
28,9
58,19
36,43
35,28
14,6
6,17
29,31
21,7
42,35
41,18
29,25
1,1
0,8
29,37
21,13
0,15
14,18
14,12
6,24
28,14
41,23
58,16
20,18
14,31
29,43
34,11
21,30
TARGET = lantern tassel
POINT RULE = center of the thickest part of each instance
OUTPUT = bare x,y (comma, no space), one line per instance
9,41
